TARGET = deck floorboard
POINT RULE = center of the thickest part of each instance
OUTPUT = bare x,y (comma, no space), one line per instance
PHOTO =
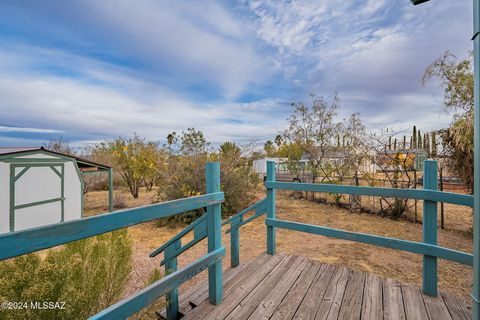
292,287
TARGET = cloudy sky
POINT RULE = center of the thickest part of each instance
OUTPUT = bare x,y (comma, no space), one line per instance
92,70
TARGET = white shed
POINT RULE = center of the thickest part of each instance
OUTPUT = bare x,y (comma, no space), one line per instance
260,165
41,187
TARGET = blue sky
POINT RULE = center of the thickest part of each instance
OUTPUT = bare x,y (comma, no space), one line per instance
93,70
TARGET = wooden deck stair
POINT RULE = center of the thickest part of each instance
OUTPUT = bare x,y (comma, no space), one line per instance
292,287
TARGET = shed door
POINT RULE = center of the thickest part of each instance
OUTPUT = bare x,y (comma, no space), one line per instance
36,195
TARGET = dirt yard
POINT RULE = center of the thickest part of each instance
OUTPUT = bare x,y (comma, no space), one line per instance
406,267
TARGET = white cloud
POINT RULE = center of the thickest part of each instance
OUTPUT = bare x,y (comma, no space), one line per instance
83,107
30,130
200,40
372,51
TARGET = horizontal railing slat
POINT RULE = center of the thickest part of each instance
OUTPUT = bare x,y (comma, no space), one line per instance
431,195
260,204
134,303
35,239
392,243
253,206
185,247
260,212
179,235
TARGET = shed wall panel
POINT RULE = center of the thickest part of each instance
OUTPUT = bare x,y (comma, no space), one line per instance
37,184
40,215
4,197
73,195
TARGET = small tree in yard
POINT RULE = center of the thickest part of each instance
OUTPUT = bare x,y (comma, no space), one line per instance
135,159
322,138
314,129
88,275
60,145
238,180
456,79
396,167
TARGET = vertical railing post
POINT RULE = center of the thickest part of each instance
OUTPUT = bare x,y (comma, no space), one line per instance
476,162
271,232
235,242
214,233
171,266
430,229
110,189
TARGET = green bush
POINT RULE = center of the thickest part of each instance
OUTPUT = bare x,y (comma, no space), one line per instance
88,275
184,175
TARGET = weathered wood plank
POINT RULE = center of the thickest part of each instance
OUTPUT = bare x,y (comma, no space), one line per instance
239,291
436,308
332,299
199,297
456,306
246,306
200,291
393,308
267,306
351,307
413,302
372,306
310,304
294,288
292,300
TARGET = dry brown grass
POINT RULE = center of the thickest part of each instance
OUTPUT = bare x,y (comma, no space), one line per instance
399,265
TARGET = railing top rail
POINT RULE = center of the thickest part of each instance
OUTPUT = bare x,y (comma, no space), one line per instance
241,213
423,194
26,241
178,236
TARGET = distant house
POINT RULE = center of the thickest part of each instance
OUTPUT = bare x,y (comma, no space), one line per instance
334,158
412,158
41,187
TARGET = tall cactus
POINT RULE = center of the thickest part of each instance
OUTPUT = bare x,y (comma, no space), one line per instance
414,135
419,140
434,144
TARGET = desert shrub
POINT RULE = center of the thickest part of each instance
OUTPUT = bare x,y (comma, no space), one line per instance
185,176
88,275
119,201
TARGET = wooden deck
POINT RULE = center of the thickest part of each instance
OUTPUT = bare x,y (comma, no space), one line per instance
291,287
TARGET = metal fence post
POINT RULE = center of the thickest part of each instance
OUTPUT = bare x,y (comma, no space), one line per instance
271,232
171,266
235,242
214,233
430,273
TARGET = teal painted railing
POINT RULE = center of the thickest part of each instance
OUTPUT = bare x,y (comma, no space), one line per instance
428,248
173,247
22,242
